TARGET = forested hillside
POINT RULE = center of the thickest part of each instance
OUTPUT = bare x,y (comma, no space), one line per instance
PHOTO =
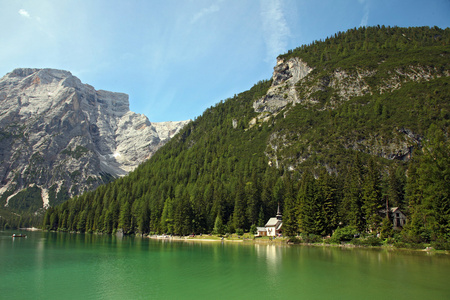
332,160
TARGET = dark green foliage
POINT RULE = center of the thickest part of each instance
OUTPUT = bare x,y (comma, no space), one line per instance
312,214
369,241
412,245
351,205
441,244
52,195
311,238
27,200
218,226
5,196
330,201
291,208
253,229
12,220
428,189
372,201
365,47
323,164
344,234
386,229
330,136
61,196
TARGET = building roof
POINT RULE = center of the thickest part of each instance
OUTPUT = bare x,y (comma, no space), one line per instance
272,222
279,226
392,210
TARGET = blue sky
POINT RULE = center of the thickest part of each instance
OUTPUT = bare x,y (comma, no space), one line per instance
176,58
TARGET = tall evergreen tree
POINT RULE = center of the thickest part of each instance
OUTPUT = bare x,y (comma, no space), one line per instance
125,217
312,216
290,210
327,190
428,189
167,217
351,208
372,201
239,216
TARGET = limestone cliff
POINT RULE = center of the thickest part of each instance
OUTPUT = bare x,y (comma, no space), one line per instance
65,137
295,83
283,90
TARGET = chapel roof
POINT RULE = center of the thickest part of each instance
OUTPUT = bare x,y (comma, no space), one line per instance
273,222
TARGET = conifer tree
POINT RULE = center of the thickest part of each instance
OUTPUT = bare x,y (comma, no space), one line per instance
428,189
328,192
125,217
239,218
351,208
167,217
372,202
312,217
290,211
218,225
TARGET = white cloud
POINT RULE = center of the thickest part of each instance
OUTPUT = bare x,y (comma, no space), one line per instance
275,28
365,17
24,13
205,11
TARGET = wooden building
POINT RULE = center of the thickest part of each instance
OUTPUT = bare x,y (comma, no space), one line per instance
272,227
397,217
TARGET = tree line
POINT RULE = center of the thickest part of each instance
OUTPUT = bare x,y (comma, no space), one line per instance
216,174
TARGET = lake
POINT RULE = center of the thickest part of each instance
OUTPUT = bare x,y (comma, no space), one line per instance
85,266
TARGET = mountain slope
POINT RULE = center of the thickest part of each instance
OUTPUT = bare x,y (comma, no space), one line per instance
61,137
329,138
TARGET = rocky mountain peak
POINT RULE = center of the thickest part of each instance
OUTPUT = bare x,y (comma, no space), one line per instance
66,137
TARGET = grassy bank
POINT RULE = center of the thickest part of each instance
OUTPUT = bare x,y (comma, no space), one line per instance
365,242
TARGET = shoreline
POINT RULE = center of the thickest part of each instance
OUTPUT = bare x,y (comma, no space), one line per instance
193,239
30,229
276,241
284,241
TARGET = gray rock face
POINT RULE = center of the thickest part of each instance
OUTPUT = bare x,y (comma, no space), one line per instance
294,82
64,136
285,76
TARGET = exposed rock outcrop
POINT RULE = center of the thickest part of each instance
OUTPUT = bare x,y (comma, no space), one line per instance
294,82
62,135
285,76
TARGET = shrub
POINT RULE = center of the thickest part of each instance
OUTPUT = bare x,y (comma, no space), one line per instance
441,245
370,241
373,241
294,240
253,229
389,241
239,231
346,233
409,245
311,238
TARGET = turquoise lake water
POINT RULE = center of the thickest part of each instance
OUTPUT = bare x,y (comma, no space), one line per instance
85,266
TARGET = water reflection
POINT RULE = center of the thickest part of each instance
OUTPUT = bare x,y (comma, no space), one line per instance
40,265
272,256
107,267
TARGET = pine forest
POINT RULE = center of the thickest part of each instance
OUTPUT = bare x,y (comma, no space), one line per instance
322,161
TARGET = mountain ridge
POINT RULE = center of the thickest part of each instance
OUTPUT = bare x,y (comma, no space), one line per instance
64,137
332,159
